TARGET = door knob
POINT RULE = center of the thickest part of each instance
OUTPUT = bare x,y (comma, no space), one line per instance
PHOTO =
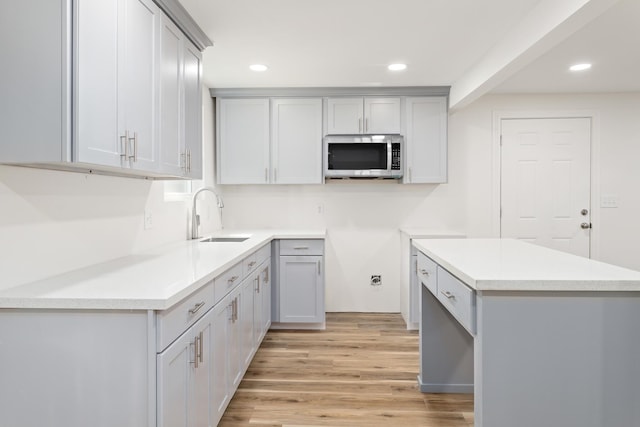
584,212
585,225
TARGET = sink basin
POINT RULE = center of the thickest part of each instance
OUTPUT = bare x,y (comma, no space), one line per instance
224,239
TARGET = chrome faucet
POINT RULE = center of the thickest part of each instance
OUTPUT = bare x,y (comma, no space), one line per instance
195,218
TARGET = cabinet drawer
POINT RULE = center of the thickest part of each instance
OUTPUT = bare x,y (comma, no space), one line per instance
302,247
251,263
426,271
174,321
459,299
224,283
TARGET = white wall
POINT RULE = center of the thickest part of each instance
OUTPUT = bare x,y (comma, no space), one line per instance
52,221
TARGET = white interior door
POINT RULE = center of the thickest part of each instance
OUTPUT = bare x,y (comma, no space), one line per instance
545,182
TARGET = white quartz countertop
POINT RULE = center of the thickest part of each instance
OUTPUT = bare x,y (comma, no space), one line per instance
153,280
513,265
430,233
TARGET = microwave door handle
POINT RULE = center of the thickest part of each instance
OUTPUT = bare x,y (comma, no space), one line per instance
389,152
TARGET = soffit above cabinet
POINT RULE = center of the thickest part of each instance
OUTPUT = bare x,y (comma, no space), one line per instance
185,22
331,91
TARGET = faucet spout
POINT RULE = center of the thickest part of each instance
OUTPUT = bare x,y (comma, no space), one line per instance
195,218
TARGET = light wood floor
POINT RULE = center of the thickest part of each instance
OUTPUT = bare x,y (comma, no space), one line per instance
360,371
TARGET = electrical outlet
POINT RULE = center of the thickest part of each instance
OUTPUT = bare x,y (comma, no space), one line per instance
376,280
609,201
148,219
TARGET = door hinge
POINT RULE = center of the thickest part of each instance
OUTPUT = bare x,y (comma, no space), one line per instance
500,140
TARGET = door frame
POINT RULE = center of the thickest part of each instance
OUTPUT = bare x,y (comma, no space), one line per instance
496,151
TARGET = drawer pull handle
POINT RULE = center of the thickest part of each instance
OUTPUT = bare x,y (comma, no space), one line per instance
233,279
251,264
425,272
448,294
300,248
196,307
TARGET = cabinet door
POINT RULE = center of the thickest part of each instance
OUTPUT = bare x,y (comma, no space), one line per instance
243,141
414,292
234,348
184,373
296,141
203,339
265,292
220,357
301,289
175,383
381,115
262,303
344,116
193,108
138,62
426,140
172,150
96,138
258,323
246,319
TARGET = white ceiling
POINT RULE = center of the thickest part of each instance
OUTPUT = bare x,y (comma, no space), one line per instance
310,43
610,42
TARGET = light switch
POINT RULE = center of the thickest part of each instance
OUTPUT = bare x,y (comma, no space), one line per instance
609,201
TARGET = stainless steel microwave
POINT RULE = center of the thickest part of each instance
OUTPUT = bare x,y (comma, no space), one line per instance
363,156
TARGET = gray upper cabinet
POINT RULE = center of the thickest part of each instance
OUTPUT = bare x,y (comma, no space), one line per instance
269,141
274,136
347,116
243,141
425,140
95,70
296,140
117,83
180,106
36,79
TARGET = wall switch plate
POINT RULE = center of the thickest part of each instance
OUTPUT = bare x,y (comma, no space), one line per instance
609,201
148,219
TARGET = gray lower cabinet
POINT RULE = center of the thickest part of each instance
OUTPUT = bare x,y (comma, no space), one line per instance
184,372
262,301
171,368
221,390
301,281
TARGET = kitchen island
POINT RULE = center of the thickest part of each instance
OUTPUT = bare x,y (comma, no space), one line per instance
541,337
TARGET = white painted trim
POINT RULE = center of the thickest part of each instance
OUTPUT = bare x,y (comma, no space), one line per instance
594,115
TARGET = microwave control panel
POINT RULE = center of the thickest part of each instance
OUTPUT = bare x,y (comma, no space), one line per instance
395,156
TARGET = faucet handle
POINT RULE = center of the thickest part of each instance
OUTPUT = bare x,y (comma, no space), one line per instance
197,220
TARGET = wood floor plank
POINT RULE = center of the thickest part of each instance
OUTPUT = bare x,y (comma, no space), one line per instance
361,371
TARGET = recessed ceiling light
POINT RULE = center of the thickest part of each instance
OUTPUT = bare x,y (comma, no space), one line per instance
397,67
580,67
258,67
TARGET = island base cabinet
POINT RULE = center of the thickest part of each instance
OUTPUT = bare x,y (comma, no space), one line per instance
446,350
63,368
557,359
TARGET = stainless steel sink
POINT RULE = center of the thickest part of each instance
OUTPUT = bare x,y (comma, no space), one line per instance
224,239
